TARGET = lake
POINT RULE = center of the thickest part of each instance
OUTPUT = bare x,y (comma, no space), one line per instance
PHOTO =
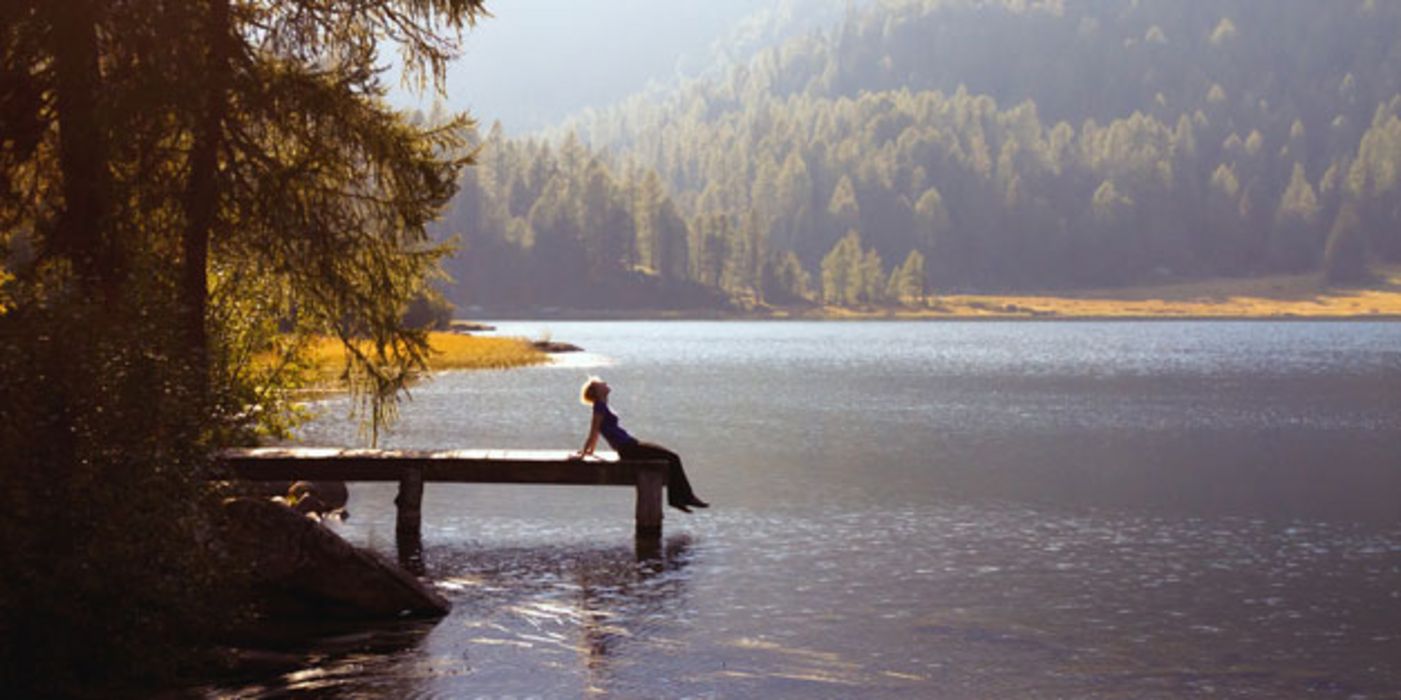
913,510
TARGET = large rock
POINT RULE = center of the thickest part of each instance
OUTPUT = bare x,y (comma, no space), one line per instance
305,565
554,346
321,498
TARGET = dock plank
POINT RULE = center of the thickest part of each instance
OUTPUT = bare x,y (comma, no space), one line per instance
412,469
450,466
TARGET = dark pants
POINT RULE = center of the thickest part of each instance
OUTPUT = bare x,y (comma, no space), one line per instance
678,489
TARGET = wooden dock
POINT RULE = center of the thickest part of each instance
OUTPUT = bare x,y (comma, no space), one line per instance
411,469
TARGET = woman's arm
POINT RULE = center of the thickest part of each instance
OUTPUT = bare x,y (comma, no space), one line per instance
592,439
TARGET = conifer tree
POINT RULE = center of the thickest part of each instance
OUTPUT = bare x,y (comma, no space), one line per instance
1293,247
180,179
1345,258
907,281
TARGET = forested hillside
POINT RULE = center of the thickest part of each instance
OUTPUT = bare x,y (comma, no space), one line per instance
943,145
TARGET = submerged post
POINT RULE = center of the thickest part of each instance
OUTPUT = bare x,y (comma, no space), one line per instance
408,534
650,480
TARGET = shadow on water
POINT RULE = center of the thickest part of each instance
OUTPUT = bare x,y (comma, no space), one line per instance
570,609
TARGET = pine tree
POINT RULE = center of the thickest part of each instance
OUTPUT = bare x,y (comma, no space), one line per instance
1295,243
907,281
1345,257
843,213
190,176
841,281
785,281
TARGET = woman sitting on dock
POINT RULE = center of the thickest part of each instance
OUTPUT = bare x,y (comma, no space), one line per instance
605,422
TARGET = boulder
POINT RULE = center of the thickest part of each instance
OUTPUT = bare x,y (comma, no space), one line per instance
304,568
470,327
554,346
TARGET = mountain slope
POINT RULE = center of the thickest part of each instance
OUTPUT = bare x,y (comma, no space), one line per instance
1235,137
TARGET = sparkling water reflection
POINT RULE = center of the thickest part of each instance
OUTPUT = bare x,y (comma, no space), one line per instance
917,510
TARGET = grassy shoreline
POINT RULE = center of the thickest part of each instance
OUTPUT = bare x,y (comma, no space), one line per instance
1272,298
450,351
1277,297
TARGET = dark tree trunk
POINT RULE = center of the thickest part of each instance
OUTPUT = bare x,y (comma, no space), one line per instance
80,235
202,194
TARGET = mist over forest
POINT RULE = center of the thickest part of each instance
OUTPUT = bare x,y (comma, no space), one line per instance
532,64
916,147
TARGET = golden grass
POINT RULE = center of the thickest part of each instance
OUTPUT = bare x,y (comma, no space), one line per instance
449,351
457,351
1278,296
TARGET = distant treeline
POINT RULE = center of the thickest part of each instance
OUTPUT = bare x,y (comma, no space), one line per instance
965,144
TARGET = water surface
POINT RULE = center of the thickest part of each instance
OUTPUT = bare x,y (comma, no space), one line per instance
916,510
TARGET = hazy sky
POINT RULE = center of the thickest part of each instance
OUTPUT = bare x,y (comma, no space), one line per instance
536,61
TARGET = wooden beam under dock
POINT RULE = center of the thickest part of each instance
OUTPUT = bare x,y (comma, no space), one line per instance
411,469
451,466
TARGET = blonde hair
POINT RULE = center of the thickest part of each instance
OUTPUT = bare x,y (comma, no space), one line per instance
586,393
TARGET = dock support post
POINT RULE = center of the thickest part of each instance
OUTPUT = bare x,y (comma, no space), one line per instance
650,481
408,534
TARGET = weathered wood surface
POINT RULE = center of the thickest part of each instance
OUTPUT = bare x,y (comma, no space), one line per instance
459,466
648,513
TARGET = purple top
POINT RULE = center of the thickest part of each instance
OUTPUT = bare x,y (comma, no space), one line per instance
612,432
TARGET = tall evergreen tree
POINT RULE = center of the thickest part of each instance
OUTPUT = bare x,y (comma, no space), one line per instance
1293,245
907,281
180,178
1345,258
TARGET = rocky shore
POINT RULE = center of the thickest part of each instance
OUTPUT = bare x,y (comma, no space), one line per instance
300,568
